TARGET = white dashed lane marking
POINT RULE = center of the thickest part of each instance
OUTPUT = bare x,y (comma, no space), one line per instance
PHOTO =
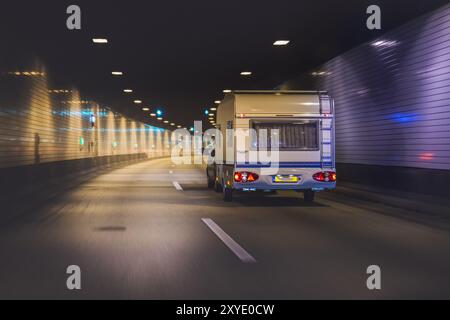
240,252
177,186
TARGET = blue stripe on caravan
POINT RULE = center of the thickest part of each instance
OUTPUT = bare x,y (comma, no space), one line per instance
284,165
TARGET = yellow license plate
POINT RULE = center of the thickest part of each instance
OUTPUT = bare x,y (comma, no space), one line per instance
285,179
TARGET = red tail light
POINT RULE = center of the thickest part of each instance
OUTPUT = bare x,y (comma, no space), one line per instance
327,176
245,177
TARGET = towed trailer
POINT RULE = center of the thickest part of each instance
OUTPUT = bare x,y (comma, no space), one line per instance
300,123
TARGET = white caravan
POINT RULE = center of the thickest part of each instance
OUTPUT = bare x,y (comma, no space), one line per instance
299,128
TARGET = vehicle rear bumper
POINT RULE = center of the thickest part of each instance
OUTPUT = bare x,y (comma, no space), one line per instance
305,176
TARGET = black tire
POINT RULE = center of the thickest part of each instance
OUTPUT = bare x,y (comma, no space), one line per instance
210,182
227,194
309,195
217,186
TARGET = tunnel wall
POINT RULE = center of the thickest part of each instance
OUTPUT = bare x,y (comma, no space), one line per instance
392,98
41,124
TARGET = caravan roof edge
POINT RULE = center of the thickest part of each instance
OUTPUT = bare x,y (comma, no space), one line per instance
278,91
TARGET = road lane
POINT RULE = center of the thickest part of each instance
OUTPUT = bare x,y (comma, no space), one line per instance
134,235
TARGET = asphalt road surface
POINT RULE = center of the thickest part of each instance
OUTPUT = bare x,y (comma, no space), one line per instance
154,231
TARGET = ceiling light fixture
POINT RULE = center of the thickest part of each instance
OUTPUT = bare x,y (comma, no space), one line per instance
281,43
138,101
246,73
117,73
128,91
100,40
227,91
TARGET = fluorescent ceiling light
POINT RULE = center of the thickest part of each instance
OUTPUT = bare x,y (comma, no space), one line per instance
160,119
153,114
117,73
172,124
128,91
137,101
217,102
226,91
178,127
166,121
281,43
145,109
246,73
100,40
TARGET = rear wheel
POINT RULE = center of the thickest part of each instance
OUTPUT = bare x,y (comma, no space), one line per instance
227,194
217,186
210,181
309,195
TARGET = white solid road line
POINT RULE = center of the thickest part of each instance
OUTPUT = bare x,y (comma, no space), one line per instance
229,242
177,186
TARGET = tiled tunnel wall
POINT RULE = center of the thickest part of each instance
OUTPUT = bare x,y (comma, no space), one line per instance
392,98
41,124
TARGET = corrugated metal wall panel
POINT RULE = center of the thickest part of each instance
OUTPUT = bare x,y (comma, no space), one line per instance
40,124
392,96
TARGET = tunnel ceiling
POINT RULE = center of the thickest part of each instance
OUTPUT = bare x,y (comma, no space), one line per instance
181,55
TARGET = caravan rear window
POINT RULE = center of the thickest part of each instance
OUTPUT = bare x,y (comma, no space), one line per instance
297,136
